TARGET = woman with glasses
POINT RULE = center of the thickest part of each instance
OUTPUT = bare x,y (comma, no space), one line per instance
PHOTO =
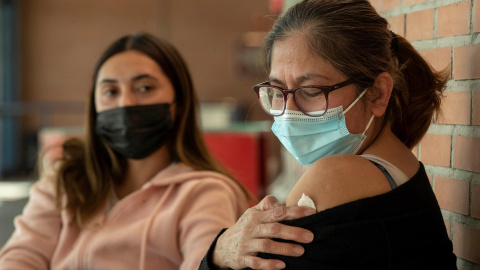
141,191
350,99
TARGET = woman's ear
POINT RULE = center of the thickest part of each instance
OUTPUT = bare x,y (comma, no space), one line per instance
382,89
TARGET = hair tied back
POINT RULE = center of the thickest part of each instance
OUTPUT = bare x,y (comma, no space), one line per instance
394,46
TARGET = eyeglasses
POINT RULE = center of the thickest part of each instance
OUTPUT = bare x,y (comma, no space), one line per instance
311,100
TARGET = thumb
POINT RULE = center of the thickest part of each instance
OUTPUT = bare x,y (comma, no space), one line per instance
269,202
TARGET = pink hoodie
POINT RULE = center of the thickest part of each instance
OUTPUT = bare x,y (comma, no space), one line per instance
168,224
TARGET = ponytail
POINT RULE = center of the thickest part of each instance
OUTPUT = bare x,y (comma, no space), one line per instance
416,96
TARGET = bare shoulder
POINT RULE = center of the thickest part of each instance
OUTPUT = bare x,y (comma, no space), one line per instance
339,179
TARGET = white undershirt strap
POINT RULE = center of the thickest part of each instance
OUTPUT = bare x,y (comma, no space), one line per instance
398,176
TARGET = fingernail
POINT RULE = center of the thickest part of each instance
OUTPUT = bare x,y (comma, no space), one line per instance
280,265
308,237
277,204
309,212
298,250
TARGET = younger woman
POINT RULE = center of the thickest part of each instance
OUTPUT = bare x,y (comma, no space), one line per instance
141,192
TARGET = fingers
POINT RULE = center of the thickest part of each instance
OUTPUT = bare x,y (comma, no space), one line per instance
294,212
273,247
269,202
259,263
279,212
282,231
253,233
282,213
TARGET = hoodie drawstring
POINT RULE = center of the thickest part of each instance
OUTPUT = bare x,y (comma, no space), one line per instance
143,243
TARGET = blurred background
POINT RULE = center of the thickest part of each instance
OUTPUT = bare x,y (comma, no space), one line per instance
48,50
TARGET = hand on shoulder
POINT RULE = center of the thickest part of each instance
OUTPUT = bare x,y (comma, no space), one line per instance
339,179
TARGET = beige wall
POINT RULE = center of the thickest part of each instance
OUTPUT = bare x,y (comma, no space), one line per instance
61,41
206,31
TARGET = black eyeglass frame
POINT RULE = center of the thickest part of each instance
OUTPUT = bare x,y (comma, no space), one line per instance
325,89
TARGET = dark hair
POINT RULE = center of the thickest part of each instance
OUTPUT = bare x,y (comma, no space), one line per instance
357,41
90,169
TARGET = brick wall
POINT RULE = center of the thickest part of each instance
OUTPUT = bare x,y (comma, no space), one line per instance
446,32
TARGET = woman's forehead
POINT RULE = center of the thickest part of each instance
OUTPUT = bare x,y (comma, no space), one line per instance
128,63
292,60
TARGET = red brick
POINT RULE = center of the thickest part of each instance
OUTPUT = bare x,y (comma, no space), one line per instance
439,58
466,242
452,194
466,62
389,4
397,24
456,108
447,226
476,16
453,19
412,2
466,154
420,25
476,200
435,150
476,108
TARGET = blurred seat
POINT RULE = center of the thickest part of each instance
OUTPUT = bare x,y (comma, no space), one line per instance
244,155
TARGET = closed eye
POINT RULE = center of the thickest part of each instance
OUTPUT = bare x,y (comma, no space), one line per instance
311,92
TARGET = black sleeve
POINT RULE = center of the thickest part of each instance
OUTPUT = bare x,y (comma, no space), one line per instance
207,261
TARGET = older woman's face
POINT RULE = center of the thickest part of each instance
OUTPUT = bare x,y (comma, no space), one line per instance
292,66
131,78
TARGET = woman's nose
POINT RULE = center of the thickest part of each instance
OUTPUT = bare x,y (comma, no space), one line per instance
127,99
291,103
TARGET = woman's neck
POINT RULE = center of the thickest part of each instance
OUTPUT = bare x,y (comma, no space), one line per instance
141,171
390,148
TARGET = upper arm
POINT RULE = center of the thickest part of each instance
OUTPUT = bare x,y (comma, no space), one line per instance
339,179
213,205
36,231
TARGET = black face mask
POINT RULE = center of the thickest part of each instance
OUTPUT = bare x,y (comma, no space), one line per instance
135,131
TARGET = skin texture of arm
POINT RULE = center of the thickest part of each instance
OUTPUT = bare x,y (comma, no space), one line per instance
339,179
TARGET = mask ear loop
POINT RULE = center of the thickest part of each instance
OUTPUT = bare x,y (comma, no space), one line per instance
368,125
355,101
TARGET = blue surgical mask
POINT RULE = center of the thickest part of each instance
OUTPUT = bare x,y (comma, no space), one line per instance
310,138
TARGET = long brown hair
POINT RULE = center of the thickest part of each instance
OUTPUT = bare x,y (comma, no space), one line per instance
357,41
90,169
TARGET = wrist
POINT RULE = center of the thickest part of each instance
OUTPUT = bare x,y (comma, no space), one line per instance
217,259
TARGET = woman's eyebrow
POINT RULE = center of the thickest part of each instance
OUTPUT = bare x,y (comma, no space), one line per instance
107,80
300,79
143,76
135,78
309,77
275,80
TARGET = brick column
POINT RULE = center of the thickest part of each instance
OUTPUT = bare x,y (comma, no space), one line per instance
447,34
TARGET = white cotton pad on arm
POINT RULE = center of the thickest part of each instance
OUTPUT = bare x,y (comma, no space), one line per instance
306,201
